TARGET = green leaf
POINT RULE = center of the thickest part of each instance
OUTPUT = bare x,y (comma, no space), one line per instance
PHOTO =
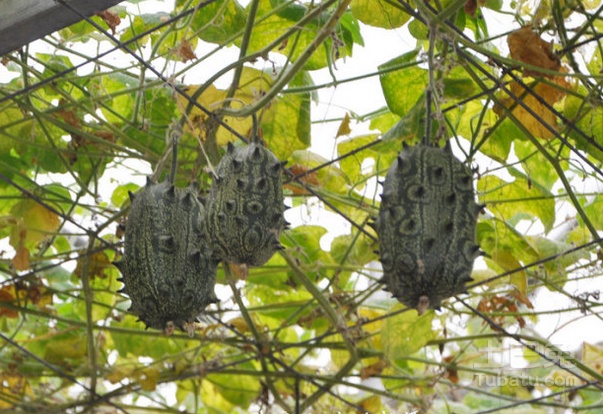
127,340
286,126
273,273
405,333
458,85
102,282
508,199
277,17
350,31
279,304
498,144
403,82
411,126
589,119
141,24
330,177
494,4
238,389
379,13
57,196
13,127
66,349
54,64
120,194
219,21
352,251
556,274
382,154
384,121
418,30
536,165
306,240
117,91
495,236
594,211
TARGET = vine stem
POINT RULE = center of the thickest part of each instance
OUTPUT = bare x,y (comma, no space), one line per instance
282,81
260,340
192,99
253,10
336,320
88,298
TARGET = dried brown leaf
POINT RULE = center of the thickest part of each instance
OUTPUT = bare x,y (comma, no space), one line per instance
184,51
527,46
470,7
373,369
307,178
21,259
112,19
452,372
8,294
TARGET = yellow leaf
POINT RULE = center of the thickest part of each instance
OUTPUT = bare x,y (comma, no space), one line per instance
592,355
33,223
372,327
508,262
344,127
118,374
21,259
372,404
96,264
563,378
147,378
238,323
543,92
71,347
253,84
526,46
13,387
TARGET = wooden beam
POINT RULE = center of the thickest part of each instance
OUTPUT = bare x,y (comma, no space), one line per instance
23,21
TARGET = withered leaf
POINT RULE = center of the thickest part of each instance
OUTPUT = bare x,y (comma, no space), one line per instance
7,294
543,93
527,46
96,265
112,19
470,7
184,51
373,369
344,127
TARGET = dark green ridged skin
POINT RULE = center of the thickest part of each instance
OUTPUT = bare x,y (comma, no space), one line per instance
168,268
426,227
245,205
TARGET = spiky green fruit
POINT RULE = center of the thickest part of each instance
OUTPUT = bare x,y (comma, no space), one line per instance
245,205
168,267
426,227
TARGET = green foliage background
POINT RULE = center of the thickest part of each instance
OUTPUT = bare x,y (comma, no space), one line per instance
309,331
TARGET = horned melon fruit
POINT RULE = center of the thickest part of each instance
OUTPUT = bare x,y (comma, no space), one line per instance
427,227
168,267
245,205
